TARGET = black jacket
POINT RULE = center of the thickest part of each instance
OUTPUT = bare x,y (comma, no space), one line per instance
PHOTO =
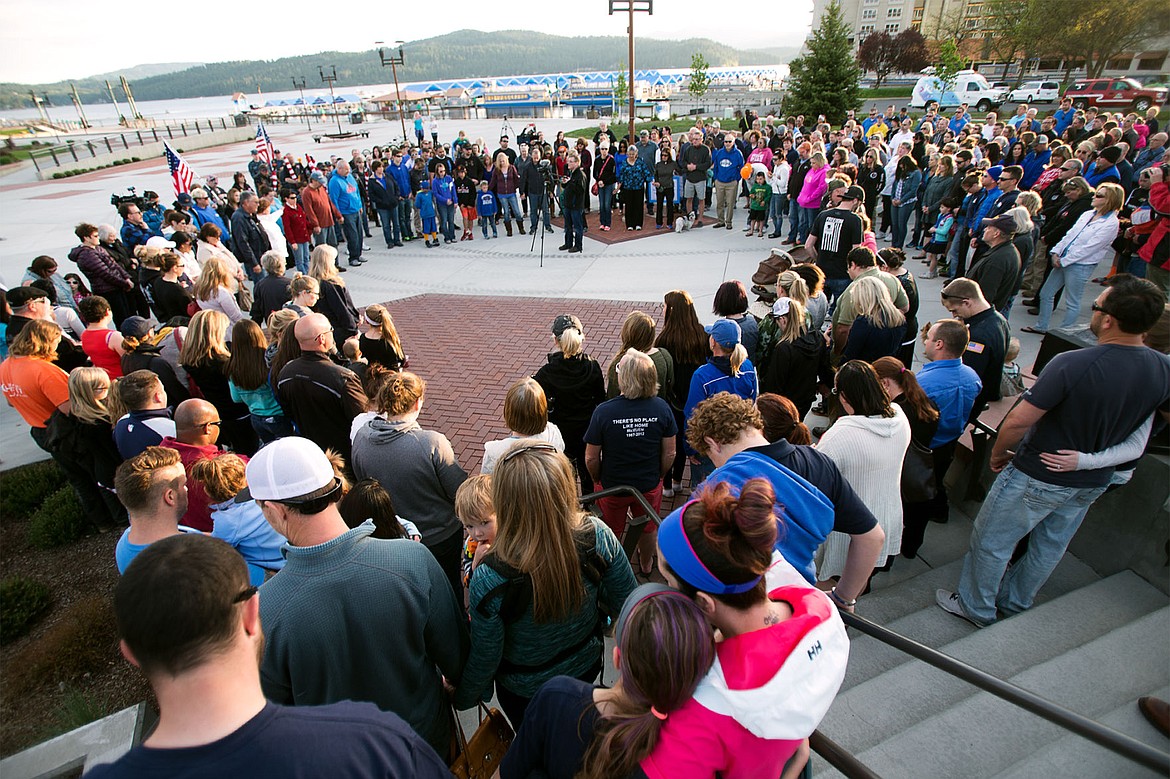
384,194
269,294
573,194
249,239
574,387
1055,228
337,306
322,398
795,367
147,357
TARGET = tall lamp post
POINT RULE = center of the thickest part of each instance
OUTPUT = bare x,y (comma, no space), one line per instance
630,6
299,85
329,79
394,60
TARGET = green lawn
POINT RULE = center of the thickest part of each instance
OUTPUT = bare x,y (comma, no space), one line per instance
883,92
8,156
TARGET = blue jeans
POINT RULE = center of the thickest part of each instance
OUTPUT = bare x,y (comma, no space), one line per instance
778,206
510,208
484,221
353,235
268,429
301,257
833,290
958,236
605,204
1018,505
538,202
446,214
793,220
900,219
1073,278
391,227
404,217
574,227
807,217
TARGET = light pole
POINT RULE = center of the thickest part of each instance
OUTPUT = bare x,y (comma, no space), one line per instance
394,60
329,79
299,84
630,6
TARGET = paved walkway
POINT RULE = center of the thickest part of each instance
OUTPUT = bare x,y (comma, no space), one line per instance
38,218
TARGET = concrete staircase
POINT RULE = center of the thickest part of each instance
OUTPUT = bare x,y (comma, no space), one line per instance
1091,644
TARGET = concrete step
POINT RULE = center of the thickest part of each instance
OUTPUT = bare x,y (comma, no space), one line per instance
981,735
908,608
902,697
943,544
1073,755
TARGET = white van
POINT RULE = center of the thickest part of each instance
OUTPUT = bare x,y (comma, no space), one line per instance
970,88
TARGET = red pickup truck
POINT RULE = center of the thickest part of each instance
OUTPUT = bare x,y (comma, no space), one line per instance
1115,94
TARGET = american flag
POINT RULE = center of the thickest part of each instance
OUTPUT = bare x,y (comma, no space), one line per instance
264,143
182,175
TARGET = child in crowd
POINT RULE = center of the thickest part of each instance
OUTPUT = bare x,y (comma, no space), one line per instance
759,196
486,207
939,236
1012,382
353,357
465,195
368,500
473,506
424,205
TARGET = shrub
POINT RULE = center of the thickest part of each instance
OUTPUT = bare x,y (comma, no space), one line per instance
77,709
60,520
23,602
84,640
27,487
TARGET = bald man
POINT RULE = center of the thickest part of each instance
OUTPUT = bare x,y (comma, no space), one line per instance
197,426
319,395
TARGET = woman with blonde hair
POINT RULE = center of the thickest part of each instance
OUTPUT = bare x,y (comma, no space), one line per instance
526,415
86,436
213,291
416,466
379,339
1076,256
304,292
877,330
205,355
335,302
638,333
573,383
799,359
571,569
278,321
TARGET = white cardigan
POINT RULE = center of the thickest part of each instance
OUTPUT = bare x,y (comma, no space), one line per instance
869,452
1088,240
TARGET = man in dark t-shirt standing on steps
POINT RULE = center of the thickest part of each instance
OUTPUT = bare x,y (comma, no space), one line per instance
1085,401
834,233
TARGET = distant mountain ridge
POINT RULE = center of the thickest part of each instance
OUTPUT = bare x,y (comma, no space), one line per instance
463,53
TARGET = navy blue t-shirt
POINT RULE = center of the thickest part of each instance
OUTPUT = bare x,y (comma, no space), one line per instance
283,742
630,434
850,515
558,726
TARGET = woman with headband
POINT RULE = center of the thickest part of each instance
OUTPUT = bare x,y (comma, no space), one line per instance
574,729
783,651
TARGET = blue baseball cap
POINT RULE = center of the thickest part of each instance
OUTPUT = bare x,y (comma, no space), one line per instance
725,332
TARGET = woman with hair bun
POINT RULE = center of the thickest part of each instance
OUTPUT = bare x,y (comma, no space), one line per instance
868,444
783,651
574,386
417,467
577,731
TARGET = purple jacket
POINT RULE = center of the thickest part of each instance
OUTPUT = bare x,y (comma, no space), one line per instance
104,274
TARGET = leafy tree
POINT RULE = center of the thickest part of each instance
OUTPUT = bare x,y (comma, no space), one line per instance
913,54
700,81
1018,30
1102,32
826,80
621,90
949,63
885,54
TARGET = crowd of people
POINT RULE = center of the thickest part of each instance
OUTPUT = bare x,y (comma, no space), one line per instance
258,436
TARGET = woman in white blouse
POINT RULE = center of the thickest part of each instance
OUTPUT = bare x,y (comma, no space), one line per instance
868,446
526,415
1076,256
213,291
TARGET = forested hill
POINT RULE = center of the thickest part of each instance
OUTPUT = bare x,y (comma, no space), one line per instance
462,53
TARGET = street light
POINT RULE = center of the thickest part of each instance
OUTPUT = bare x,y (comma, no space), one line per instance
329,79
299,84
394,60
630,6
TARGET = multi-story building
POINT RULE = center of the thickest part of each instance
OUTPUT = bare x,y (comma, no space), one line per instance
965,21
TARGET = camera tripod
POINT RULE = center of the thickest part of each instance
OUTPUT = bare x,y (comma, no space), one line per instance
550,197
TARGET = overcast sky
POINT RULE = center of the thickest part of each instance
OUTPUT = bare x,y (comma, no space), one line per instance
70,39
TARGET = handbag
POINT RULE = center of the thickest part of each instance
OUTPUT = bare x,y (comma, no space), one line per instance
594,189
918,485
482,754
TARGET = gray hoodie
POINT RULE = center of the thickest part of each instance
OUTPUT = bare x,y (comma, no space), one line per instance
417,467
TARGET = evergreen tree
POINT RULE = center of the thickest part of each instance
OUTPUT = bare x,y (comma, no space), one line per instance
826,80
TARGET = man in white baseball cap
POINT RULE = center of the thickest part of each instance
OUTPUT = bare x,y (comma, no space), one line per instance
351,617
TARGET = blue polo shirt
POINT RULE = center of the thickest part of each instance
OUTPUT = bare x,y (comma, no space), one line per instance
953,387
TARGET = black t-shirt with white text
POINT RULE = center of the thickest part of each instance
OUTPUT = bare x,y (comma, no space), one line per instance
630,434
837,232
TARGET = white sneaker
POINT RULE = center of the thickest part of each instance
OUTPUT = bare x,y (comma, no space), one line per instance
667,492
949,602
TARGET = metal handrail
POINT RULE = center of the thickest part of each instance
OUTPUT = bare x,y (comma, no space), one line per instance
839,757
630,542
1102,735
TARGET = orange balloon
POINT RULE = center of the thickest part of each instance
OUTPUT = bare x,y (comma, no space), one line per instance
746,171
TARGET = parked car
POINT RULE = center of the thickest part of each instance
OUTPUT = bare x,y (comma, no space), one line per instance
1114,93
1035,92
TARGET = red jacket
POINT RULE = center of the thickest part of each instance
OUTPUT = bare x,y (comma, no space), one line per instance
298,224
1159,227
198,514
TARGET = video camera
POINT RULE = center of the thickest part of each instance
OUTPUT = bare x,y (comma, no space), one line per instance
117,200
548,173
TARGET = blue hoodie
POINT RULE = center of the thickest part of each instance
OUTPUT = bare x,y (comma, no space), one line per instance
1034,164
727,164
485,203
343,191
806,515
401,174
